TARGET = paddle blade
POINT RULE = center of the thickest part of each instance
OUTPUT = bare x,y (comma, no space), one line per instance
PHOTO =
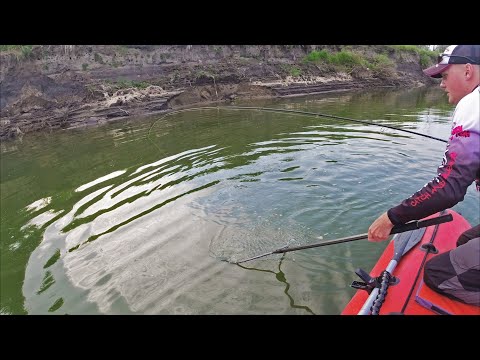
403,242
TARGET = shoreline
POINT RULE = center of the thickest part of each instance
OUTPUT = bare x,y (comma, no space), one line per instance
52,87
131,102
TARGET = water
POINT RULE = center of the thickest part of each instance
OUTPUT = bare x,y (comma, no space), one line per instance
147,216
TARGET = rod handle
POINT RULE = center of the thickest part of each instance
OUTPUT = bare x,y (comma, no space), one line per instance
421,223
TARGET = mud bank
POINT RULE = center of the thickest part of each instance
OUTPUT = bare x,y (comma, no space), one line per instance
65,87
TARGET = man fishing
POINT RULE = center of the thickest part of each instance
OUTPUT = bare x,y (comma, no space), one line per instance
456,273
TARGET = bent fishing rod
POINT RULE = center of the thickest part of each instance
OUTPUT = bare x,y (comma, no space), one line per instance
413,225
334,117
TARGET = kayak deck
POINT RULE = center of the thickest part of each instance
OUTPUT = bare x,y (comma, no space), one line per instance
410,296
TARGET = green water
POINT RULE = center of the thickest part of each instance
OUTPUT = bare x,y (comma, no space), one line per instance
138,216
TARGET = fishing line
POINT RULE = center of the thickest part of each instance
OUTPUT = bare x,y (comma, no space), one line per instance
334,117
295,112
280,276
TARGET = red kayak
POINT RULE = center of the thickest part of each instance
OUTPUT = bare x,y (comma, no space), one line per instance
402,290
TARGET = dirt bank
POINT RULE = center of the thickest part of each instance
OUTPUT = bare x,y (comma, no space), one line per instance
61,87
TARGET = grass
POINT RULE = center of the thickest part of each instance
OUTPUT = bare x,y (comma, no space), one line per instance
345,58
381,57
427,57
125,84
20,51
348,59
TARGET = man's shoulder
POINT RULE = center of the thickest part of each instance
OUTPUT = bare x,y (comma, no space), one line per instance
471,99
467,112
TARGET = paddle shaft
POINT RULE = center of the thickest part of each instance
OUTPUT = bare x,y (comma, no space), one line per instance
366,308
395,230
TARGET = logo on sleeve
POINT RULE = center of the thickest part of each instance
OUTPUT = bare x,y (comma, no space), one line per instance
458,131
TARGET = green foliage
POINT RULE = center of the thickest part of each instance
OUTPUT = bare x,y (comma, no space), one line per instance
26,51
10,47
380,59
122,49
382,66
316,56
427,56
21,51
425,60
125,84
98,58
292,70
417,49
355,59
295,71
342,58
348,59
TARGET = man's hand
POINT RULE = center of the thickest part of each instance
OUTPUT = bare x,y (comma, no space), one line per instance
380,228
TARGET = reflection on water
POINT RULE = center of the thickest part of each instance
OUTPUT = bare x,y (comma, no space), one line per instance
136,217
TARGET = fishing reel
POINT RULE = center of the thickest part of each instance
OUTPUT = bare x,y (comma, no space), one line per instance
369,283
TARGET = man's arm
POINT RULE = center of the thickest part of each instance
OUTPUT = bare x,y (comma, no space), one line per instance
458,170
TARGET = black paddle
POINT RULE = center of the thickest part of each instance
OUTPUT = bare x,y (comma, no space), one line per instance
413,225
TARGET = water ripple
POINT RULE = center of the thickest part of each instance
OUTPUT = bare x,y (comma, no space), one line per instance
158,234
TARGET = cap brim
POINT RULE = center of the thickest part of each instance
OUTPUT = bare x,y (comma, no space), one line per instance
435,70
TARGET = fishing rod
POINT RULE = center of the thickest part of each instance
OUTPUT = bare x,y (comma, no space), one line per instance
295,112
335,117
413,225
